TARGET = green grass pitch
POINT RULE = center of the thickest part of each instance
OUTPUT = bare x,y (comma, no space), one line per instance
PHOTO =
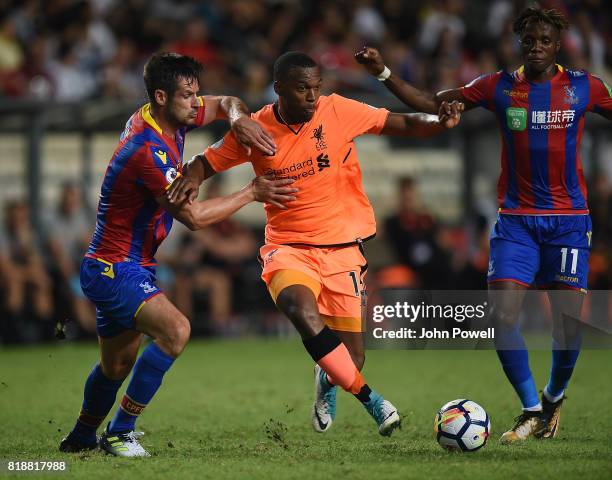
240,409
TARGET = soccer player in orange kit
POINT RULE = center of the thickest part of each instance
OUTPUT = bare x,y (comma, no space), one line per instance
313,261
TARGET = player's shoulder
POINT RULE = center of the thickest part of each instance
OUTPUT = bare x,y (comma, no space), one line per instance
487,77
138,130
265,114
338,101
577,73
334,99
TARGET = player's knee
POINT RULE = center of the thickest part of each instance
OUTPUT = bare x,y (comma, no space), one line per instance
306,319
504,318
177,338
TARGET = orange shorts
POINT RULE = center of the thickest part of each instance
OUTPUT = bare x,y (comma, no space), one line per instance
335,275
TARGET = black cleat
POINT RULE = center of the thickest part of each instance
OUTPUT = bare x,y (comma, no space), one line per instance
71,445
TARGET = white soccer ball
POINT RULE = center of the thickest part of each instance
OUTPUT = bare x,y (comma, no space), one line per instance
462,425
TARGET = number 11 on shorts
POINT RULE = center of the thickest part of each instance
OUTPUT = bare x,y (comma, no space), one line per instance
574,254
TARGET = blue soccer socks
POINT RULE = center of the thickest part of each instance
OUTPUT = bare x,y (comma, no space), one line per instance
514,358
563,363
147,377
98,399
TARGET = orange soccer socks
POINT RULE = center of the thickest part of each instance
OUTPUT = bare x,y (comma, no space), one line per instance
331,354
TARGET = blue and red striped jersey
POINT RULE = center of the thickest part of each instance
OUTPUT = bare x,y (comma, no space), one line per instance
541,127
130,223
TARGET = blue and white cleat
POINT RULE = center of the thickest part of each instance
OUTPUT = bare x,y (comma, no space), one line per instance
324,407
384,414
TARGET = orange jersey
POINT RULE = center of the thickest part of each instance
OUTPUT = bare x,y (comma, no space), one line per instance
331,206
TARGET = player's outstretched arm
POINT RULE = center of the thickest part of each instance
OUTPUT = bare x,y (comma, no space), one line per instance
423,124
197,215
421,101
248,132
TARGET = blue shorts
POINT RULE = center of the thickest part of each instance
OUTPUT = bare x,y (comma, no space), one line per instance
541,250
118,291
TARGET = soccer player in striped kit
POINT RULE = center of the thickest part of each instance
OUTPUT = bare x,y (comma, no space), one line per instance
134,216
543,231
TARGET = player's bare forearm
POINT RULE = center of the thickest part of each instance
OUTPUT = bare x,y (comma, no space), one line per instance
214,210
232,108
198,215
412,125
422,124
420,100
248,132
411,96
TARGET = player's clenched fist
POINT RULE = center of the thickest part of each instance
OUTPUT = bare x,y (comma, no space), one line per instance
371,59
450,113
183,188
275,191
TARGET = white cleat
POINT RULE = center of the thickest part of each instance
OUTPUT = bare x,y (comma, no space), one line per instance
385,415
324,407
123,444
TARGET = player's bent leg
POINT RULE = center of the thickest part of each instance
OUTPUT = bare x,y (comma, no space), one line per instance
299,304
324,406
355,345
117,356
169,328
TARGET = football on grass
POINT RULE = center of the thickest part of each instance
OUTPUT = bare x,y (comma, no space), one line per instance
462,425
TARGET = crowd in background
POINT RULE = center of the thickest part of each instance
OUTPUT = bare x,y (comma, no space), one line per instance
72,50
213,275
79,50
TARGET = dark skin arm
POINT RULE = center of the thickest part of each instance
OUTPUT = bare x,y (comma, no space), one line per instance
422,124
421,101
248,132
198,215
185,187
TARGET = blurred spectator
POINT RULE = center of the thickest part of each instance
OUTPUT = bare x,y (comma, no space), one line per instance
412,234
600,204
123,75
444,16
28,297
32,79
68,231
11,52
213,261
72,83
432,43
472,275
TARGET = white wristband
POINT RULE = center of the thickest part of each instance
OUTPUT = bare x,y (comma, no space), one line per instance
386,73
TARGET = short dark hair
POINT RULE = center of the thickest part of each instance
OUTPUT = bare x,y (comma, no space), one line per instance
532,14
289,61
164,70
